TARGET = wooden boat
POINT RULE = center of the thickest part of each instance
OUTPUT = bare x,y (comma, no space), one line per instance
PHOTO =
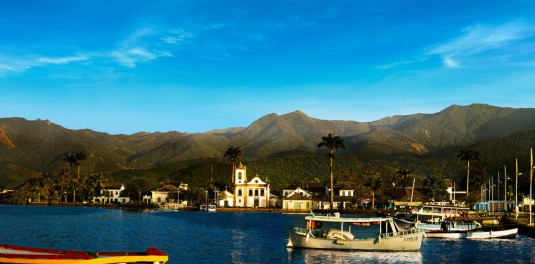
19,254
500,233
385,235
403,224
446,234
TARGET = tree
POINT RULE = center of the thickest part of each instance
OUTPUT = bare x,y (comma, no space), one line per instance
70,159
233,154
468,155
74,160
333,143
47,184
376,186
79,157
435,187
403,177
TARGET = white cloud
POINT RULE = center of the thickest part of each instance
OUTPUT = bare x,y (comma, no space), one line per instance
143,45
450,62
63,60
480,40
176,37
394,65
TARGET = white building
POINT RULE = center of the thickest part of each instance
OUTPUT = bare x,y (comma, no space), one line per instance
290,190
297,201
111,193
253,193
163,193
226,199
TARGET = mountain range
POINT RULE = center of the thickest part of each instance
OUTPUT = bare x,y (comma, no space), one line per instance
29,148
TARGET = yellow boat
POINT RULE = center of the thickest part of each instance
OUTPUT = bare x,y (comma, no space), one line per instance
20,254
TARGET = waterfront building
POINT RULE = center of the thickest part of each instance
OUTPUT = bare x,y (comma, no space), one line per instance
250,193
226,198
297,201
165,193
111,193
292,189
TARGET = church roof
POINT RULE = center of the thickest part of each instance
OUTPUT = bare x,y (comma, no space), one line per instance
240,166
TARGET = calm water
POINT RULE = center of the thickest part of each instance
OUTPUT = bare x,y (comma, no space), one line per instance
203,237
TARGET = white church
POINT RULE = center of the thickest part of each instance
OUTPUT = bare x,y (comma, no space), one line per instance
247,193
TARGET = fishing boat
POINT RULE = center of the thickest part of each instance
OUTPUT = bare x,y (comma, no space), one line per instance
446,234
20,254
496,233
367,234
452,228
438,213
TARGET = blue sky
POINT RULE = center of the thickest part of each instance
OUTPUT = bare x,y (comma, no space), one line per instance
192,66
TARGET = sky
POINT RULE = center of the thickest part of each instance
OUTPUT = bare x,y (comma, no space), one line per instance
122,67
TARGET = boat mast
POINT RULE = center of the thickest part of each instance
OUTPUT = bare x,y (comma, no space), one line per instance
530,184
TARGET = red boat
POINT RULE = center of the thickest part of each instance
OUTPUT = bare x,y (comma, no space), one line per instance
19,254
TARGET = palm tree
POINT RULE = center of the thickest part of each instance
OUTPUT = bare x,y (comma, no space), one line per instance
333,143
79,157
74,160
376,185
233,154
468,154
70,159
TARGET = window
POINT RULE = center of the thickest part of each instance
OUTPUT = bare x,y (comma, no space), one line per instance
262,192
239,176
250,192
255,192
239,192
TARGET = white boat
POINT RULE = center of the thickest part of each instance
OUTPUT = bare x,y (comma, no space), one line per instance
431,217
438,213
367,234
452,226
212,208
446,234
502,233
203,207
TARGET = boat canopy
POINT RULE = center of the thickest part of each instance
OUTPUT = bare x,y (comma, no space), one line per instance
346,220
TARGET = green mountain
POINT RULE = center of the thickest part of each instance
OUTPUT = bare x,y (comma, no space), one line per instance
281,147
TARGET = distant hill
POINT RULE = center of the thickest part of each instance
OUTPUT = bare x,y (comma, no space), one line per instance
29,148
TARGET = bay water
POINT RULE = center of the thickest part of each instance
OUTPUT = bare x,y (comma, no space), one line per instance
222,237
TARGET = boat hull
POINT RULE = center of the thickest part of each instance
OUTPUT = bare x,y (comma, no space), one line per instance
450,235
508,233
19,254
408,242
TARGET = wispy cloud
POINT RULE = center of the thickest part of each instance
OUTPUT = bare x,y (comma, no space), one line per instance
480,40
17,65
63,60
143,45
394,65
147,44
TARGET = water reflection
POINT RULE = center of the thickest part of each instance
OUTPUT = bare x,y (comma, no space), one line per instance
340,257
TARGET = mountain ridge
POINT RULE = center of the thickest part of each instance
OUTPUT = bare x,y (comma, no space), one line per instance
39,146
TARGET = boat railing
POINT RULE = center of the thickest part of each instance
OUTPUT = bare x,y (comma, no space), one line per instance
402,232
299,231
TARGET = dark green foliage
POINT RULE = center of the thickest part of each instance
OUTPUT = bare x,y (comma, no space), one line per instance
281,148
